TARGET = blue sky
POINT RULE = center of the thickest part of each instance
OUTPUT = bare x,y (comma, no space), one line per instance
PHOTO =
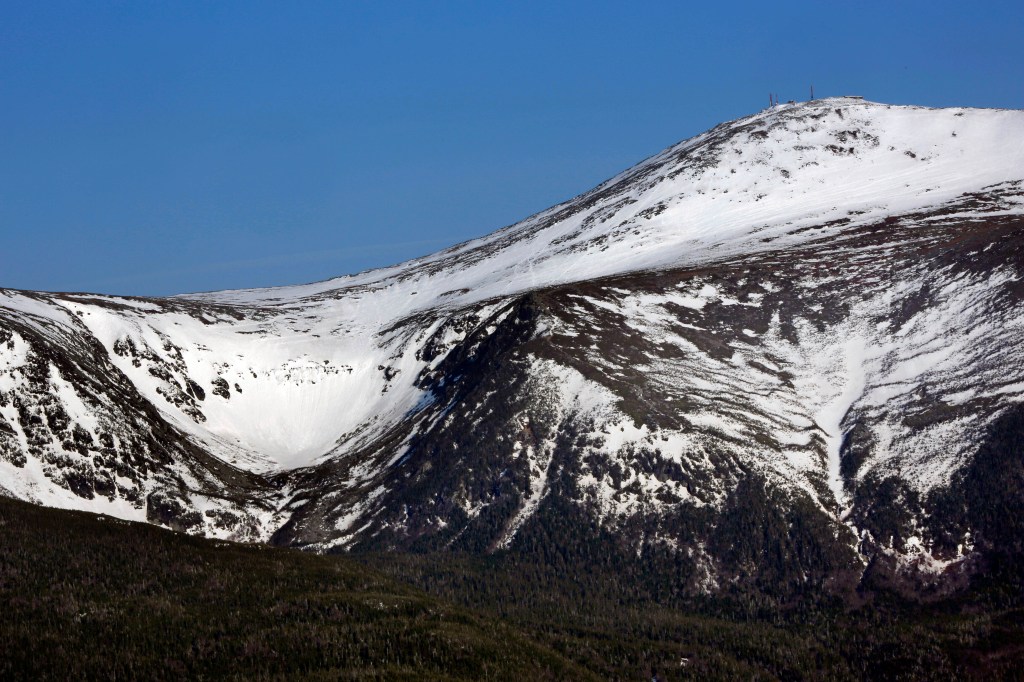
154,148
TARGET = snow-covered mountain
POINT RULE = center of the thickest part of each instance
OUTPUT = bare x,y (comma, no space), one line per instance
808,322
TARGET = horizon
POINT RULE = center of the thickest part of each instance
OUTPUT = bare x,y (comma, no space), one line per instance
163,150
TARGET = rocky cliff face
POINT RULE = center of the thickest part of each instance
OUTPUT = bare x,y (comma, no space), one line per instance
784,352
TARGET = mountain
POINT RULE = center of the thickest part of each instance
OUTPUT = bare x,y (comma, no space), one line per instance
785,354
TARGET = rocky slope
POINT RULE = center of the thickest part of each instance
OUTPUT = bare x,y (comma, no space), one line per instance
788,350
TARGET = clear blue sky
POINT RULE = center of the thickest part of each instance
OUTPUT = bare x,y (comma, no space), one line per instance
162,147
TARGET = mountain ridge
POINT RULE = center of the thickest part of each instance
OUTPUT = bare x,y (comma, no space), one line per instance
815,309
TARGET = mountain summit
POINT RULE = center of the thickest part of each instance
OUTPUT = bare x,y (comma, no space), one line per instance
787,350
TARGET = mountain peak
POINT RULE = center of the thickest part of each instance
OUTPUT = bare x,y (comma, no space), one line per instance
745,186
